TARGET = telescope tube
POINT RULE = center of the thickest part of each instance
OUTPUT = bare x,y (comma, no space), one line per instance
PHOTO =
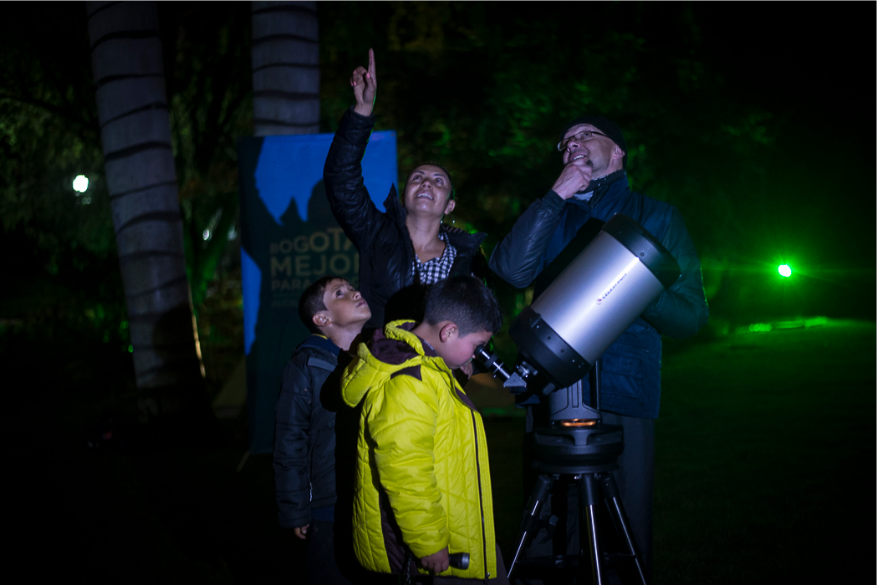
602,291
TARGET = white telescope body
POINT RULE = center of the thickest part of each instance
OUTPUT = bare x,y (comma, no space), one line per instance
593,301
611,284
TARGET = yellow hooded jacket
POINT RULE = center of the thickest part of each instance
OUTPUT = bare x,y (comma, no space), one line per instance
422,475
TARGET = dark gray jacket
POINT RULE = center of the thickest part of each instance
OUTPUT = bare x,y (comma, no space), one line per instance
304,440
631,383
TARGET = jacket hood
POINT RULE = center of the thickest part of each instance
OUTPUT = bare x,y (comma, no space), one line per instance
389,352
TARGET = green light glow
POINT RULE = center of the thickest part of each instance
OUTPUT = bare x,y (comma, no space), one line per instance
785,270
130,349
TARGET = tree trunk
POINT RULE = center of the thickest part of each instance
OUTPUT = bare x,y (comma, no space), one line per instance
286,100
286,68
135,132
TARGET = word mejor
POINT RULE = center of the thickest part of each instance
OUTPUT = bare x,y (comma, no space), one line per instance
296,262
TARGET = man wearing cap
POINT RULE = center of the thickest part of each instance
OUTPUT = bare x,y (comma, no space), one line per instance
591,188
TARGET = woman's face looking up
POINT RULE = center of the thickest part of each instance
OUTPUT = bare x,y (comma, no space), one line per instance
428,190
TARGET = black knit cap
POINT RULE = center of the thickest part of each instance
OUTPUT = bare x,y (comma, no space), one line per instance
604,125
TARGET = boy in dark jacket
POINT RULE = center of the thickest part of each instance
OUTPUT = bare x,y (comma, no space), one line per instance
305,438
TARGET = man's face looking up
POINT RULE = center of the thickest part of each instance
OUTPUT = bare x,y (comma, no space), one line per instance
584,144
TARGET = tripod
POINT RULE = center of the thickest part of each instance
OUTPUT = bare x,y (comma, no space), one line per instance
585,451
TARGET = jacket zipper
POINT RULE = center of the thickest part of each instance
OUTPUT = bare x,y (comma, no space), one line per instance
480,487
480,498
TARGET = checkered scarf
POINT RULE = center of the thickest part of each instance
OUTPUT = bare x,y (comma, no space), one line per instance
436,269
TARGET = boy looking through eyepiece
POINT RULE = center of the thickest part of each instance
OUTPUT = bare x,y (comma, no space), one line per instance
422,474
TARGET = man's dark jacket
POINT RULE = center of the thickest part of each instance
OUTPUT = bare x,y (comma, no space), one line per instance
304,441
631,375
382,239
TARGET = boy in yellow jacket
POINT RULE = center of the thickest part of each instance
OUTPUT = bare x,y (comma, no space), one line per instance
422,476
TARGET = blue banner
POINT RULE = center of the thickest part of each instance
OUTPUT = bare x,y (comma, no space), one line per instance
289,239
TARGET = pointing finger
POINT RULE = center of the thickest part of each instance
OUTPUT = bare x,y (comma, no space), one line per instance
371,63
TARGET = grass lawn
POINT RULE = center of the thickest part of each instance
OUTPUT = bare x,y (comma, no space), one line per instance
765,457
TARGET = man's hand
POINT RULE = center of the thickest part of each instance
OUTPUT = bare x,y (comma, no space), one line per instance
574,178
302,531
436,562
365,82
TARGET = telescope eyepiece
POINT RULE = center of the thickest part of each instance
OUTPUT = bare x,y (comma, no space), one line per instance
490,362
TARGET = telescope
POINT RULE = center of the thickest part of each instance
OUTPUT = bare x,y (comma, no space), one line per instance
588,306
560,339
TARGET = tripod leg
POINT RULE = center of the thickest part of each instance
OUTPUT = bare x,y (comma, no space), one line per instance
588,502
530,521
616,508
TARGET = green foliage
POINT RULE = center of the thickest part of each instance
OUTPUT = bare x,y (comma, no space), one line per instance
485,89
206,50
49,134
207,67
62,292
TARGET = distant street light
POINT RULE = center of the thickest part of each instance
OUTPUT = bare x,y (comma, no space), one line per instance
80,183
785,270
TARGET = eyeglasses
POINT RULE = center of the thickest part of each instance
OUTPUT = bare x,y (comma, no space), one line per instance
582,136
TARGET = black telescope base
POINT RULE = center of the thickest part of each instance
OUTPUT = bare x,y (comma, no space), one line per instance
596,486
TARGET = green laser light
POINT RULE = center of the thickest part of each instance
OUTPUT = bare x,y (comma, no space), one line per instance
785,270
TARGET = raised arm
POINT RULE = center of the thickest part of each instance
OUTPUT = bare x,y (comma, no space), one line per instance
342,173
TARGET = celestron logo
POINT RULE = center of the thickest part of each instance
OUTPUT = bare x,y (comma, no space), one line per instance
606,294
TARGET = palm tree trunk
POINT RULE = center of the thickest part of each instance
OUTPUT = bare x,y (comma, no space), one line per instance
139,163
286,100
286,68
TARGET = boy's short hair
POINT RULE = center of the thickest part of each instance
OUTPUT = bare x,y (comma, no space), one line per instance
466,301
311,302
